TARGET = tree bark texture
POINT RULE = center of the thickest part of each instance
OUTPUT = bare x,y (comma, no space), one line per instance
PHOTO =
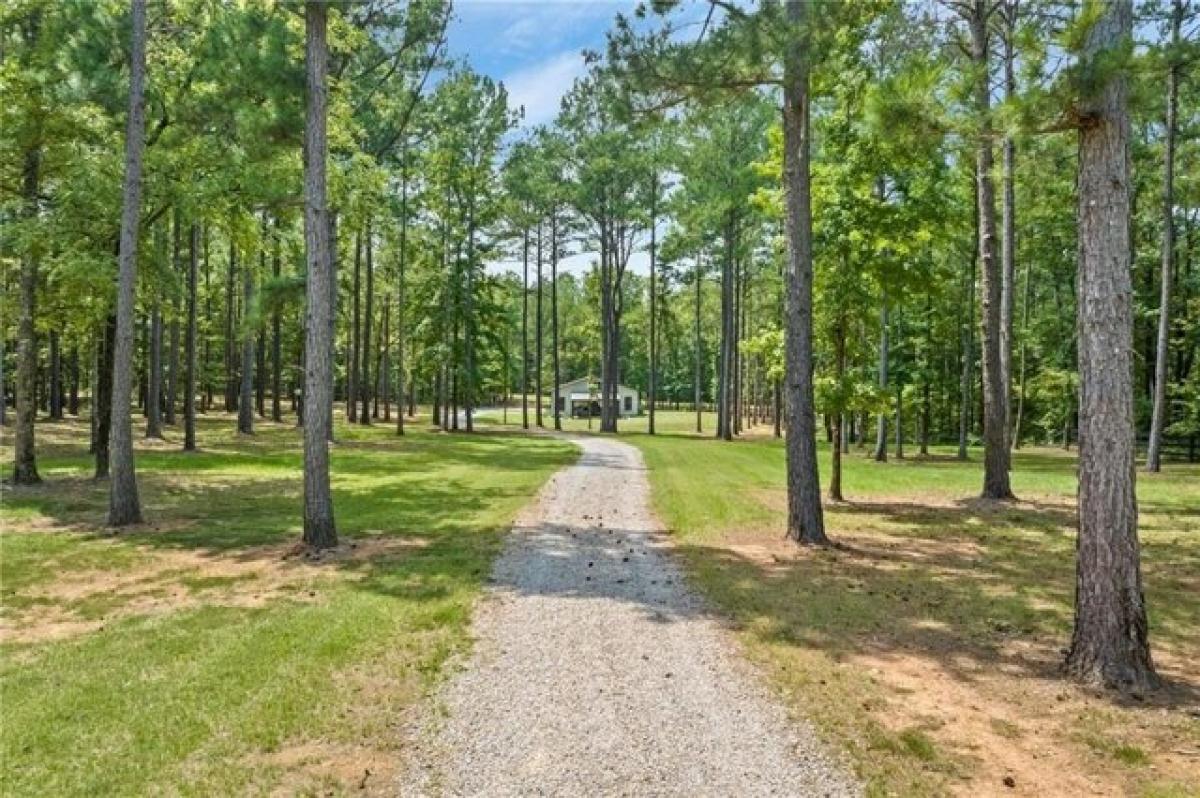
996,454
319,528
806,521
124,507
1110,645
1158,418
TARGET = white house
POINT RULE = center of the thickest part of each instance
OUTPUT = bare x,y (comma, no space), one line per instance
581,398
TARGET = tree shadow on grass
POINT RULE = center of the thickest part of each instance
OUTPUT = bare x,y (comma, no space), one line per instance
413,500
994,599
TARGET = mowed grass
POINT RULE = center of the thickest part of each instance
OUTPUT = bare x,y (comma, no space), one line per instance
202,653
927,646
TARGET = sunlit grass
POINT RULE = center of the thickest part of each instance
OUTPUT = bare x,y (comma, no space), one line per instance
974,598
190,656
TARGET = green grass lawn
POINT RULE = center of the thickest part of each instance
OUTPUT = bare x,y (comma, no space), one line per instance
199,654
927,646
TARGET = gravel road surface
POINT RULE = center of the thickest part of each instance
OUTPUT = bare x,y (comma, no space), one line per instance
598,671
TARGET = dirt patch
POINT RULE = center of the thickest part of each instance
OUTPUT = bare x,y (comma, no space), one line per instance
344,768
1030,735
169,580
947,620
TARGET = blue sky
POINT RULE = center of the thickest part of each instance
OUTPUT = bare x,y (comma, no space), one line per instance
534,47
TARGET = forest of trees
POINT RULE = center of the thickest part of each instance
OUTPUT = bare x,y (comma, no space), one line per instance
878,224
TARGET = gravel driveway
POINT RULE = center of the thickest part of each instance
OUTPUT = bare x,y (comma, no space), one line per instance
597,671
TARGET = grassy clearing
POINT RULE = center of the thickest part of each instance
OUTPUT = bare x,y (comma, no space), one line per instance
927,647
199,654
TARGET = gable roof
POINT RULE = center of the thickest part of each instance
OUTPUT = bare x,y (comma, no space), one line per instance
562,388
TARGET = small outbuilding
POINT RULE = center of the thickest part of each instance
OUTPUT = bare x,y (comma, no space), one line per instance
580,398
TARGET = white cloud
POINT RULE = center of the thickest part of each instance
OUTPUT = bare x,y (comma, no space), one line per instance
521,35
540,87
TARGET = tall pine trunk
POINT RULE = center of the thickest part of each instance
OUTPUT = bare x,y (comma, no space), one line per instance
154,373
537,337
364,342
1110,644
650,396
173,334
806,520
995,393
698,365
966,380
1158,418
384,365
881,440
319,528
260,373
189,345
102,400
56,381
1008,215
1019,416
355,333
839,355
276,339
124,507
206,398
525,329
469,320
25,470
231,385
246,387
73,391
554,317
403,386
725,386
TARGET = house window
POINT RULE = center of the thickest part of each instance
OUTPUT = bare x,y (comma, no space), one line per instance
628,404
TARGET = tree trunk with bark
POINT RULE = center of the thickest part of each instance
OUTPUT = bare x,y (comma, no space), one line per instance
206,397
320,530
364,342
189,345
653,293
25,470
806,521
881,440
355,333
403,386
276,338
246,388
554,317
124,507
725,380
231,384
1110,645
1008,242
699,343
173,331
1158,418
1019,416
966,380
154,374
383,366
839,356
996,457
537,337
56,381
102,401
525,329
73,391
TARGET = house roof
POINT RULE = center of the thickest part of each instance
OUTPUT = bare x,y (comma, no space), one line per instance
563,388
